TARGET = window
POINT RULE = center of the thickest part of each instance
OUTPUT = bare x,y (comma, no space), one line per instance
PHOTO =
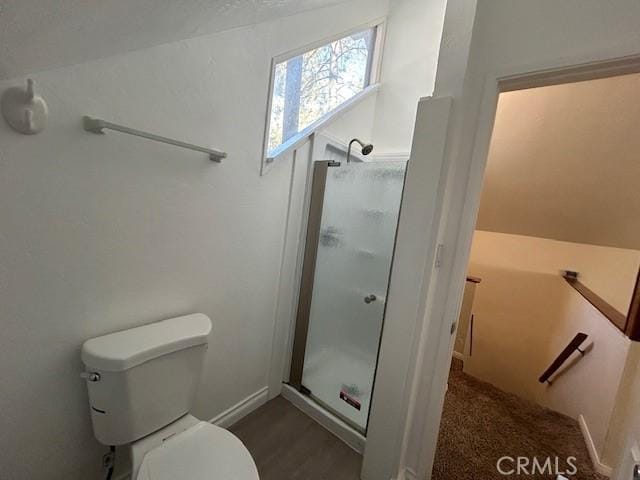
309,86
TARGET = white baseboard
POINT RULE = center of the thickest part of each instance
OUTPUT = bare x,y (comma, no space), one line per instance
600,467
407,474
244,407
458,355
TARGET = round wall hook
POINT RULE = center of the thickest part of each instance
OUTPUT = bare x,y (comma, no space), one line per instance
24,110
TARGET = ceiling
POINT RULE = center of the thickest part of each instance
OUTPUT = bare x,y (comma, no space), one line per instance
564,163
37,35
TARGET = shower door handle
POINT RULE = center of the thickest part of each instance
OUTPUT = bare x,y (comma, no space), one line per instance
370,298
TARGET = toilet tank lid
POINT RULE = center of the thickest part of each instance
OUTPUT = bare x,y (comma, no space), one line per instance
124,350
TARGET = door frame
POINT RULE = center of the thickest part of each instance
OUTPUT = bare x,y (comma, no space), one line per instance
320,177
303,311
292,254
436,341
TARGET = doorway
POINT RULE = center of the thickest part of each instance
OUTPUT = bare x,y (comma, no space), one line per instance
554,261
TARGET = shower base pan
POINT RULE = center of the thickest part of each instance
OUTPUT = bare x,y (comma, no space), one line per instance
335,425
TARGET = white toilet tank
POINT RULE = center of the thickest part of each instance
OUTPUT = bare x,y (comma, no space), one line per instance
142,379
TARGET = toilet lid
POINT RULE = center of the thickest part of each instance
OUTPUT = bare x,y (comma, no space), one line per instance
203,452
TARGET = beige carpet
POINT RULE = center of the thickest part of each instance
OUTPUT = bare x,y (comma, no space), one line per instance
481,424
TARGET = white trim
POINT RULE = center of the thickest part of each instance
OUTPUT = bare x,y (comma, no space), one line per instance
324,41
332,142
576,73
407,474
374,76
390,419
291,266
241,409
297,226
337,145
335,425
391,156
600,467
302,136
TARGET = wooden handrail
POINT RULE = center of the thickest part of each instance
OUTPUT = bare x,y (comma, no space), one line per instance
614,316
573,345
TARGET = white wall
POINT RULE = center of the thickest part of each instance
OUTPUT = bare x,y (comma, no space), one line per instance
40,36
407,73
481,38
525,314
101,233
622,446
414,28
357,122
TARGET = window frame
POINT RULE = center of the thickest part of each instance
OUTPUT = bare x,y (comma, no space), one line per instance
372,86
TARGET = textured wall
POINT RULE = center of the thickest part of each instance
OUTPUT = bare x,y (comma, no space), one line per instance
37,35
101,233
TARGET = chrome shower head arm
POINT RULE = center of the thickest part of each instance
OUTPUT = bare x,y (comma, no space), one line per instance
366,148
349,149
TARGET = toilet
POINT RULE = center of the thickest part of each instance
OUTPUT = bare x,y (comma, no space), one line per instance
141,384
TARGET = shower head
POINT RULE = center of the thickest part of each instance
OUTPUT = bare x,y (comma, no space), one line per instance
366,148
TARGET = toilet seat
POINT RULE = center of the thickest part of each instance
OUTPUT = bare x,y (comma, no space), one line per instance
202,452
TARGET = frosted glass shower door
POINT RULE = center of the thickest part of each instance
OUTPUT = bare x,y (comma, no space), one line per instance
355,242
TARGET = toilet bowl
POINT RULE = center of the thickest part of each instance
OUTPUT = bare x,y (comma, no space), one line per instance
141,385
202,451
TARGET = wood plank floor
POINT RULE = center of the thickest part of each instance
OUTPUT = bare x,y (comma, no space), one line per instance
286,444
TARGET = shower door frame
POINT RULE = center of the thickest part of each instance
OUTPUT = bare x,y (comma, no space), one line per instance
303,311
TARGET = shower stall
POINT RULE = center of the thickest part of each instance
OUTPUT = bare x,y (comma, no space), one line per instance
350,240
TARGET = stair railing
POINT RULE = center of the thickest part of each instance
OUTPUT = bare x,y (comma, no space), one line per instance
574,345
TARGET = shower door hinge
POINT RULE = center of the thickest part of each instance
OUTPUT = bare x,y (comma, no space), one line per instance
438,261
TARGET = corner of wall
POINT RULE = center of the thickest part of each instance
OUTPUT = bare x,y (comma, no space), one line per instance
598,465
408,70
241,409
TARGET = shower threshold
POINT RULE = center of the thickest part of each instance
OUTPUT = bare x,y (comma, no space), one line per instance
331,422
